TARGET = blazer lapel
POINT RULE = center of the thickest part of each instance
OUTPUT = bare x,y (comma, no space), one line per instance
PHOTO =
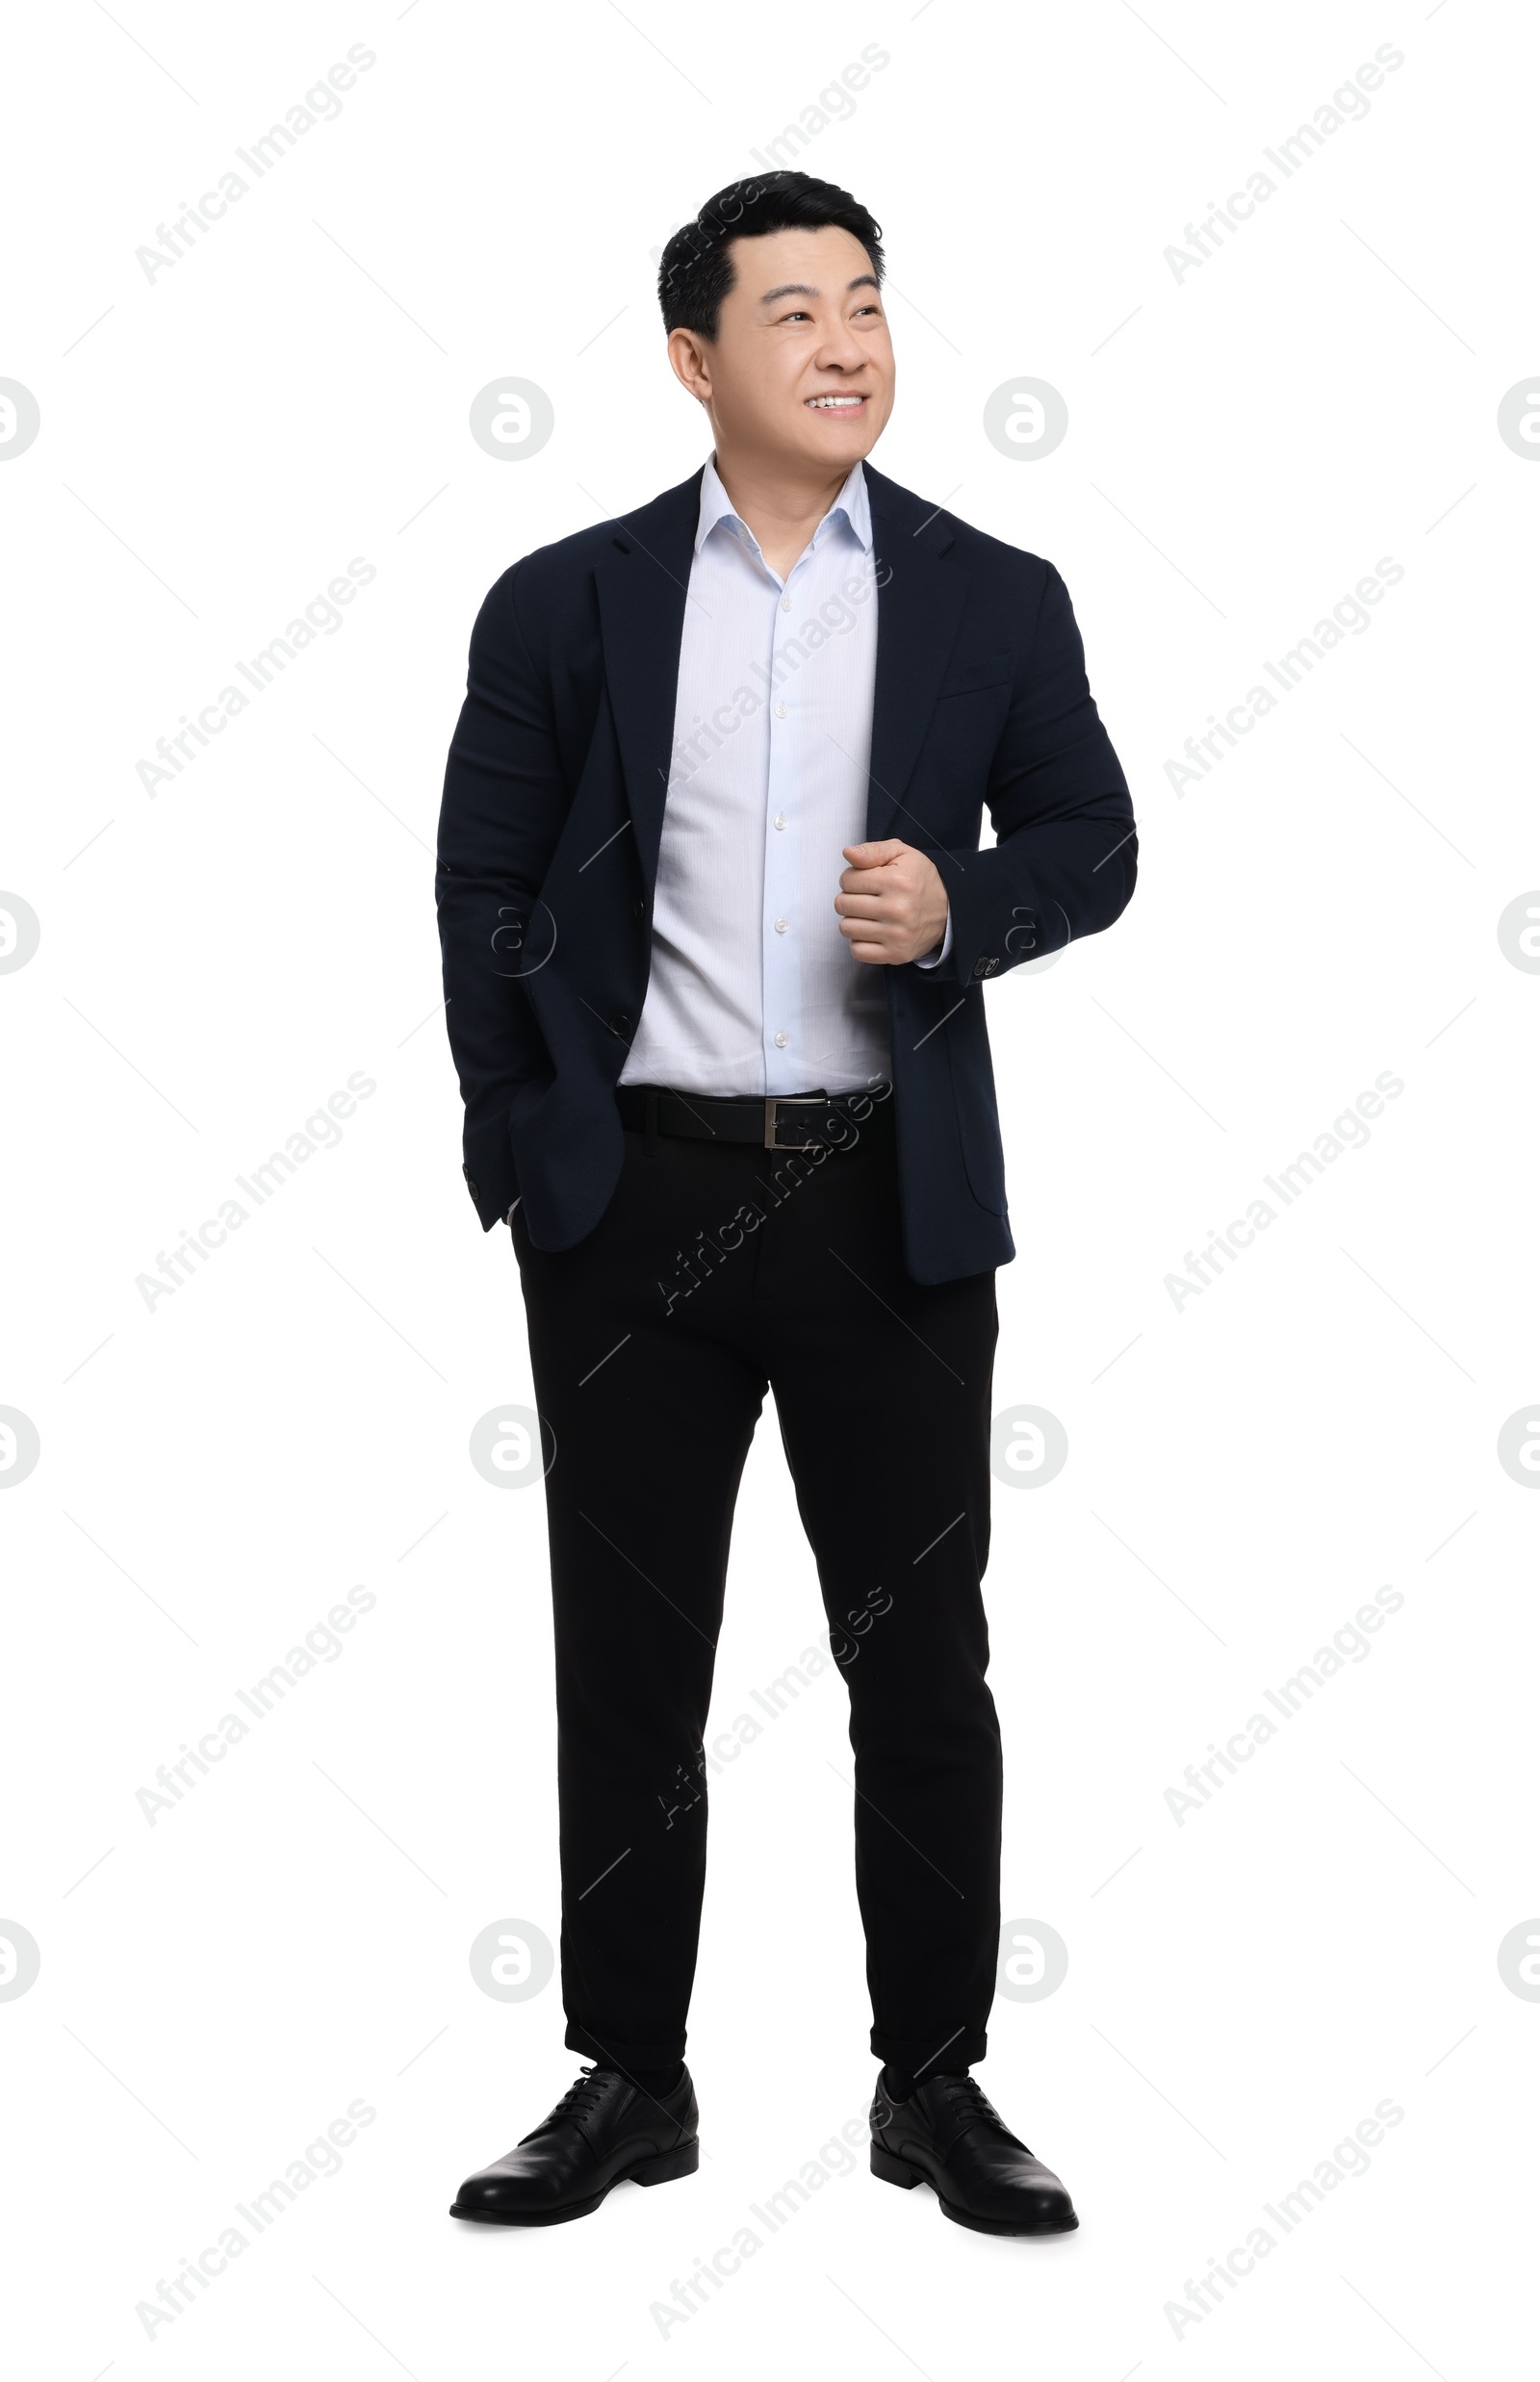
643,581
919,604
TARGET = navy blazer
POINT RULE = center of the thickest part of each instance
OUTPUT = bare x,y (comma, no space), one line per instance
554,806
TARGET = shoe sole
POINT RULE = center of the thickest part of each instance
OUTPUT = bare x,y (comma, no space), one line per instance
664,2169
892,2170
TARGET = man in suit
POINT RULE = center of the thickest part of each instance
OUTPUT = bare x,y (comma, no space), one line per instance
715,927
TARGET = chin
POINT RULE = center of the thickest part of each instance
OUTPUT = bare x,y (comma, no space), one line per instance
851,443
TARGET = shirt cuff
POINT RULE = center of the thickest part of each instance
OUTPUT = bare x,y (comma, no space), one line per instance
943,950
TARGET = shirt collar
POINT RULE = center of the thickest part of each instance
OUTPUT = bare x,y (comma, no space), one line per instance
851,505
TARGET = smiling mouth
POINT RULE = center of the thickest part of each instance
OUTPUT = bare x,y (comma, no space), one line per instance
831,402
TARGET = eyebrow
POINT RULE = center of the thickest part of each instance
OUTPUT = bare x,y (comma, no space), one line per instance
805,289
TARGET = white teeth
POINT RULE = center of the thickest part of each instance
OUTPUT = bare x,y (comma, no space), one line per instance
829,404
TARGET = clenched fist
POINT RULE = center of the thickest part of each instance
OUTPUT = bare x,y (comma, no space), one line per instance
892,902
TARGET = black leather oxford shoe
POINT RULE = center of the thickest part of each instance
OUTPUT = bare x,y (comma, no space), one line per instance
602,2131
948,2136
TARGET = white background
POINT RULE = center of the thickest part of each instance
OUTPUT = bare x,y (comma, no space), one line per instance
1244,1471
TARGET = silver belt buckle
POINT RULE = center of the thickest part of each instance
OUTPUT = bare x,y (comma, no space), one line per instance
786,1100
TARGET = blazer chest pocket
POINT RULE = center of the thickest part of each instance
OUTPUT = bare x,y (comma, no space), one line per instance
974,676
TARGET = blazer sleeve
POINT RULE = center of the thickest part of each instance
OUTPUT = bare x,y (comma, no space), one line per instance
1064,861
504,802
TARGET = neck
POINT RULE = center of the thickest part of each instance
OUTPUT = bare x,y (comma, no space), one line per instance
782,508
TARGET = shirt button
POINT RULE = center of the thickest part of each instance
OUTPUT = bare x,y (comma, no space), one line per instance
782,925
785,603
781,711
781,1041
780,820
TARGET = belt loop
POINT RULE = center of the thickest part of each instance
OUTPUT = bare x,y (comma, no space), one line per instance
651,1124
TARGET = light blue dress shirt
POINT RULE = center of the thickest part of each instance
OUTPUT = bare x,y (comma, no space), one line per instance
754,991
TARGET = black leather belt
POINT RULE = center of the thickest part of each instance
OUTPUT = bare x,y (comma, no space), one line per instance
783,1124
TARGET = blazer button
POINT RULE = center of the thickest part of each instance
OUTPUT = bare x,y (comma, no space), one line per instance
472,1189
621,1022
641,909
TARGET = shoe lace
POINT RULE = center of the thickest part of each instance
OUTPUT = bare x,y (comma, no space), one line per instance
969,2103
585,2094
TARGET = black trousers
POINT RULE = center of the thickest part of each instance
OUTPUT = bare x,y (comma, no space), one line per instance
719,1269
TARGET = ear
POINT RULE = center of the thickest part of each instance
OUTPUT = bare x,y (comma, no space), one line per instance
689,356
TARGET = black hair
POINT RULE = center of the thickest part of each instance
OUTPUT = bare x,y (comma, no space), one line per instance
696,271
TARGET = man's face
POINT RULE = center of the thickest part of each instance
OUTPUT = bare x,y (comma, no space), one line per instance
801,372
